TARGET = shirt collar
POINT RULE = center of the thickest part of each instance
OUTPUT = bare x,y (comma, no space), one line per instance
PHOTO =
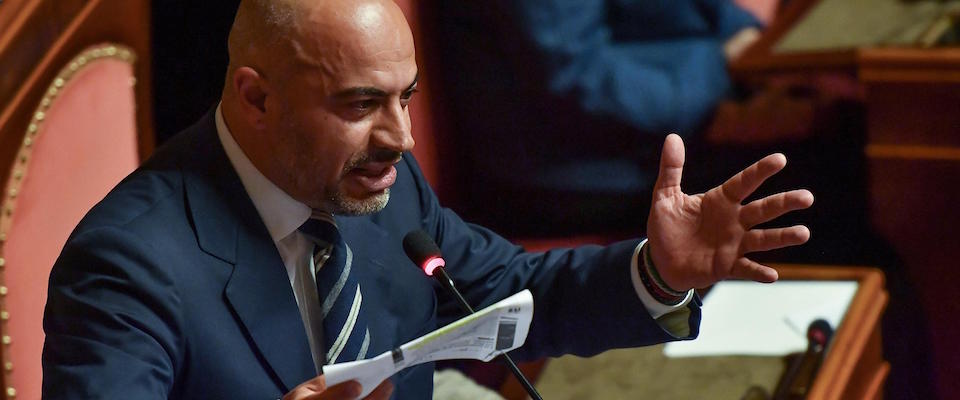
281,214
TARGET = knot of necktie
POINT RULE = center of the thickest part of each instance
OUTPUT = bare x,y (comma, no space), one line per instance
321,231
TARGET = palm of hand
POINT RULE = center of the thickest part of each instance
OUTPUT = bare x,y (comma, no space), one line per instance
697,240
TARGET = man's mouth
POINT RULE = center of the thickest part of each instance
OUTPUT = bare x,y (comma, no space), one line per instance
374,177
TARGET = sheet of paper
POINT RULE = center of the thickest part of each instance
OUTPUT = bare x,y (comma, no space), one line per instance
749,318
484,335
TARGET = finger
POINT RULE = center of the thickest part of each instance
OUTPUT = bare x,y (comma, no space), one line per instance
308,388
741,185
382,392
769,239
768,208
745,268
345,390
671,162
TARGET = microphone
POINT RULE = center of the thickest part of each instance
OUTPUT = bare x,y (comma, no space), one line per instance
799,377
424,252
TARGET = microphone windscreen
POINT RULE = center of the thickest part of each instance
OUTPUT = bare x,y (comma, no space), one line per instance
819,332
420,247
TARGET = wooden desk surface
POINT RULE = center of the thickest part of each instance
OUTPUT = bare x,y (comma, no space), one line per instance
854,367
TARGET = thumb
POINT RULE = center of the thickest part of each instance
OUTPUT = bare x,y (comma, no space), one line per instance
345,390
671,163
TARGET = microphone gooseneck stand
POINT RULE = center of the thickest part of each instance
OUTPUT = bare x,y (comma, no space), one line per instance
424,252
441,275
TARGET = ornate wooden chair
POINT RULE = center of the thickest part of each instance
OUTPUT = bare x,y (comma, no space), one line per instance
74,119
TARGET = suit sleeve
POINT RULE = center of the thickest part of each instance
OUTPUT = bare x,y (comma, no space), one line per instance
110,321
584,298
658,66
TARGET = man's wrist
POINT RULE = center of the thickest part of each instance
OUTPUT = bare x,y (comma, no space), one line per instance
654,284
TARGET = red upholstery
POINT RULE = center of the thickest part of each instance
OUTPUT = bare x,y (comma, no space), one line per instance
84,144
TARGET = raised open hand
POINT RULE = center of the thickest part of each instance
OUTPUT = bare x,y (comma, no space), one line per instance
698,240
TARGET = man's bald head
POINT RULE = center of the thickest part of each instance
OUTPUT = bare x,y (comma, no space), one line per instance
273,36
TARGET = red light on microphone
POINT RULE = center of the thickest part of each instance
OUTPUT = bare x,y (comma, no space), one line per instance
432,263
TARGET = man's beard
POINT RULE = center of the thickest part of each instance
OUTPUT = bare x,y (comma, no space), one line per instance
344,205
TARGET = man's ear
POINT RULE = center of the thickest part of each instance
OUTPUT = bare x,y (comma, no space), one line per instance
251,92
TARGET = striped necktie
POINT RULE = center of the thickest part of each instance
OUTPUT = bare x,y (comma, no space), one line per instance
345,332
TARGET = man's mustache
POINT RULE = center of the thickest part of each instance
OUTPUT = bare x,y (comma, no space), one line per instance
377,156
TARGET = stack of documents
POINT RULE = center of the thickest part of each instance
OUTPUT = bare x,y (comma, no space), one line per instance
481,336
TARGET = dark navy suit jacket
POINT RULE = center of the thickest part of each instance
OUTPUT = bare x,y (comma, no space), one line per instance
172,288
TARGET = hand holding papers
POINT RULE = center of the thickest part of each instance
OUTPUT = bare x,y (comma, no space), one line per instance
484,335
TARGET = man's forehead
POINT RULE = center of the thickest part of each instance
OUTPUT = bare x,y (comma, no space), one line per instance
335,20
371,49
368,33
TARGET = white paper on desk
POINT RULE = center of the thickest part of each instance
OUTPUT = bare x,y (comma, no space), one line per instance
484,335
749,318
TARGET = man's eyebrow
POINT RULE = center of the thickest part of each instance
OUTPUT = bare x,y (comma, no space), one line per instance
359,92
365,91
413,85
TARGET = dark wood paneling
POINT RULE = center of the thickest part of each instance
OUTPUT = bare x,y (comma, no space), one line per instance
913,205
909,114
913,98
9,9
31,34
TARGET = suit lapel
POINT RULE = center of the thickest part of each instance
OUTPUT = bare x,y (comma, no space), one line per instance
259,291
228,227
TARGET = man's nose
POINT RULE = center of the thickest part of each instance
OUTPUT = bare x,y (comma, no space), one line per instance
394,132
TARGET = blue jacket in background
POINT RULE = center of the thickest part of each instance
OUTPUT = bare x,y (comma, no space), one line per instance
576,96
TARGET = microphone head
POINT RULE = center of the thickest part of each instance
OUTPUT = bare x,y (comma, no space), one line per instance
423,251
819,332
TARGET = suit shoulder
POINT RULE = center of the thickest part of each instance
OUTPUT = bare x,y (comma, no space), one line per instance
142,194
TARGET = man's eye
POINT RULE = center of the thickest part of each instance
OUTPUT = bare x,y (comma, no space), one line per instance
363,105
405,98
407,95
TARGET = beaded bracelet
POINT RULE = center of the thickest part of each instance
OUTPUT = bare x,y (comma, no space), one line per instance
654,284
